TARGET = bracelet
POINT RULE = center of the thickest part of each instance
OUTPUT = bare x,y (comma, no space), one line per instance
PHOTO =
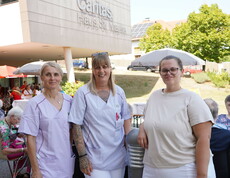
82,155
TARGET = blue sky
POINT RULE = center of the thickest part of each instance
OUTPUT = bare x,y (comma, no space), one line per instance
169,10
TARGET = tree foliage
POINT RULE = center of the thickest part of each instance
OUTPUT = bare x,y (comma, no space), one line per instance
155,38
206,34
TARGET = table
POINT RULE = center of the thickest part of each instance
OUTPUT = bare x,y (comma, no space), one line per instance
20,103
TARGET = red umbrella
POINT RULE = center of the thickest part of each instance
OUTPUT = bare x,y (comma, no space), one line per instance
7,72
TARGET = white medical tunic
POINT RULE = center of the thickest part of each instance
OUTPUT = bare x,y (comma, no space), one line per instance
102,126
51,129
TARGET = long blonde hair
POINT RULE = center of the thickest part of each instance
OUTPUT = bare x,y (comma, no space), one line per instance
97,60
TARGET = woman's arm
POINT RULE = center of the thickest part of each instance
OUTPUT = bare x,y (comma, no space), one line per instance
127,126
202,133
8,151
142,138
31,148
85,164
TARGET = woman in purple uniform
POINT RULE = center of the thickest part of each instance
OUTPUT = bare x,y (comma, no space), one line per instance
45,121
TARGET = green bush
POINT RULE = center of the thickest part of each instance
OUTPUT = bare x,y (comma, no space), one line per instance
220,80
71,87
201,77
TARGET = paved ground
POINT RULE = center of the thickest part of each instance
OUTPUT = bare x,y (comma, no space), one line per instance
4,170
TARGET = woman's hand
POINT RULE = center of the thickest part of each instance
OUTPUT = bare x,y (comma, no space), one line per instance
142,137
85,165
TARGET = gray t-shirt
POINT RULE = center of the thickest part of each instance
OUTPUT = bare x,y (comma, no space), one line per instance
169,118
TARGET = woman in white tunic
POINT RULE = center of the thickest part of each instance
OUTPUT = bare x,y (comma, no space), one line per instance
101,119
176,130
45,121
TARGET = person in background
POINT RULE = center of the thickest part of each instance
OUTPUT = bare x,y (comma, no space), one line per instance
101,119
27,92
36,90
176,130
16,93
7,100
225,118
23,86
7,128
1,91
12,144
2,112
219,143
45,123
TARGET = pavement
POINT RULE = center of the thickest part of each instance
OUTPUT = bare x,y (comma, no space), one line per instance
4,169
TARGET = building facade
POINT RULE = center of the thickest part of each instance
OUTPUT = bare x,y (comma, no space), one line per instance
53,30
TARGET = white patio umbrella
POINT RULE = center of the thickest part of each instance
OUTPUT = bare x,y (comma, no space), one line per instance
32,68
154,57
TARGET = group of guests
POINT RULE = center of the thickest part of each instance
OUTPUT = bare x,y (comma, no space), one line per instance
26,91
7,96
175,134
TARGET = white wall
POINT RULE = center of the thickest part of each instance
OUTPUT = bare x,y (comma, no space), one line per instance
10,21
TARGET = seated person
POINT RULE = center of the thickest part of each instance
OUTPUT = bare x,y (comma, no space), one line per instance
28,93
219,143
36,90
225,118
23,86
16,93
2,112
6,99
8,133
12,144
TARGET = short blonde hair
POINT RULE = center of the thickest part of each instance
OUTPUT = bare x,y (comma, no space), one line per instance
51,64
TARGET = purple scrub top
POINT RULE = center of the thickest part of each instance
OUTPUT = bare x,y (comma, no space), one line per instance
51,128
102,127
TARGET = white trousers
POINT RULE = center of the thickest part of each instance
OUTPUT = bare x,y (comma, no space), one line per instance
118,173
186,171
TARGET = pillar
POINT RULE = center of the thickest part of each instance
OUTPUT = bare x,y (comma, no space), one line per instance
69,64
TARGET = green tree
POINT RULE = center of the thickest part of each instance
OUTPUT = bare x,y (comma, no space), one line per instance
205,34
155,38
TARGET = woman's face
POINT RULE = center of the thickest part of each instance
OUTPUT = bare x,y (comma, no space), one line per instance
102,73
51,78
170,72
14,120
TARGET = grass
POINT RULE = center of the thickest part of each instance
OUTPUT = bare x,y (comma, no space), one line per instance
138,86
133,85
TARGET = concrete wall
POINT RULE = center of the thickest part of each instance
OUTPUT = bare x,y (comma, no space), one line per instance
69,23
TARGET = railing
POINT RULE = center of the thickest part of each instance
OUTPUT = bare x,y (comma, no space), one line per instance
137,119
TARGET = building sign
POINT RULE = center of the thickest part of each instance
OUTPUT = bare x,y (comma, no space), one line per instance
97,16
94,7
